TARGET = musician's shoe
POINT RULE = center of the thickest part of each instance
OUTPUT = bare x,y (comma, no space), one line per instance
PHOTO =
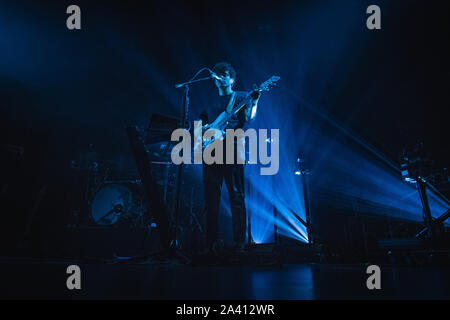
212,256
239,248
215,249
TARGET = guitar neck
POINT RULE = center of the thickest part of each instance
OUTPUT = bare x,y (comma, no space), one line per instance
238,108
265,86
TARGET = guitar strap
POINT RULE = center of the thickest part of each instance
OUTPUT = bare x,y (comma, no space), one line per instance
231,102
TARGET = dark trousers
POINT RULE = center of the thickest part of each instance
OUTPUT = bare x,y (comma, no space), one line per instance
213,176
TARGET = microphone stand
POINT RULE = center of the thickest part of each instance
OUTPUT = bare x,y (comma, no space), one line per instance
185,85
174,251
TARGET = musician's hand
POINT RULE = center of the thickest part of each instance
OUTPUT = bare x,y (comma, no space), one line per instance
249,114
255,95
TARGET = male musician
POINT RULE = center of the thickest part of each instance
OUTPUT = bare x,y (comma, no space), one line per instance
233,174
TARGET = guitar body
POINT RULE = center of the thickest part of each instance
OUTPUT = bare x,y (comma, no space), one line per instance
221,122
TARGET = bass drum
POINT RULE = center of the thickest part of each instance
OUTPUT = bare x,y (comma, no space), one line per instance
118,202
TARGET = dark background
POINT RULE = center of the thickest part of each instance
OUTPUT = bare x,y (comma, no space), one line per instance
63,90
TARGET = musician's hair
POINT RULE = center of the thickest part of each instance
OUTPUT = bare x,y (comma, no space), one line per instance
222,67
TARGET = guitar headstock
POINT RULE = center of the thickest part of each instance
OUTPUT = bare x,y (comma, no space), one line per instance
266,85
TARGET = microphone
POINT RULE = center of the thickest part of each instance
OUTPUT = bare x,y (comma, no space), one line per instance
214,75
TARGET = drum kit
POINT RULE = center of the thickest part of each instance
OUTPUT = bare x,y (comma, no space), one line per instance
112,201
108,200
114,197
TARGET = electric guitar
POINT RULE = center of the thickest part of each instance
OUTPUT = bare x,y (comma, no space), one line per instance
221,121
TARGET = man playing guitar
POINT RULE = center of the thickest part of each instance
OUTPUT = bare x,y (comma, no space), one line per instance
233,174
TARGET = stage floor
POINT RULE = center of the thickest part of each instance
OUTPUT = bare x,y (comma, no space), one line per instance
46,279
